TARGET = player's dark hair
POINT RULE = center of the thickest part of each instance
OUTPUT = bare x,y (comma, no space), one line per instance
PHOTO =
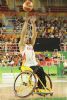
29,41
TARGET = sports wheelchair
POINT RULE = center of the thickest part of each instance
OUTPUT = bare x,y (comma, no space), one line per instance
25,84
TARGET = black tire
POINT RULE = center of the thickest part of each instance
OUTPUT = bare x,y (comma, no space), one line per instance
19,79
47,86
49,79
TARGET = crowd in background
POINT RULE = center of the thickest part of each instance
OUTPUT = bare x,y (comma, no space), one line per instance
51,28
15,59
46,28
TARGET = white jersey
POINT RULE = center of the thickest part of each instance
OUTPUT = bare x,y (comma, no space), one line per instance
30,56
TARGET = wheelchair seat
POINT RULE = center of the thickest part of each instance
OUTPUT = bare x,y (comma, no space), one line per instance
26,68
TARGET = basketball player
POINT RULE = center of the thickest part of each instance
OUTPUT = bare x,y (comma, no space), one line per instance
27,51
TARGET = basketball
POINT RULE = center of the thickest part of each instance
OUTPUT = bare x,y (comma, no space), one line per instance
27,6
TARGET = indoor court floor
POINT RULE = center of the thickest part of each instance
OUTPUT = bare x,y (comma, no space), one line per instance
59,89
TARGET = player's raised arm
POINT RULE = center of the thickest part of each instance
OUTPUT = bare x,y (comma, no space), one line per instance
23,33
34,33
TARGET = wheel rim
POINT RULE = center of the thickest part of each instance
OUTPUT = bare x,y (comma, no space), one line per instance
48,81
24,84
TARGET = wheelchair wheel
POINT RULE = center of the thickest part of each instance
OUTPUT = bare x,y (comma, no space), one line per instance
48,85
24,84
48,82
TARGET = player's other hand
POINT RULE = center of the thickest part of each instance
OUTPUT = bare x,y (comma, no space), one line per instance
33,19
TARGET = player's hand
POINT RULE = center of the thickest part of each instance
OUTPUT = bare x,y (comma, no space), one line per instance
27,19
33,19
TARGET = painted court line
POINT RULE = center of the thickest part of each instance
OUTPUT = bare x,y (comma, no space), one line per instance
58,81
8,84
